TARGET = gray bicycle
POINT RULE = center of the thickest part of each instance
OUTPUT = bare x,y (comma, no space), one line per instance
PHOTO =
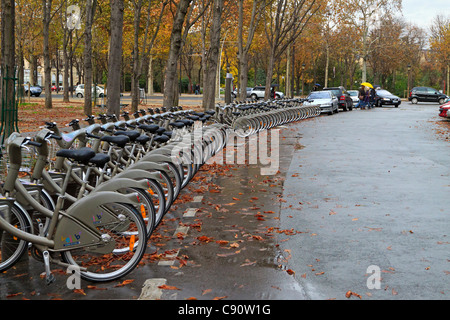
102,235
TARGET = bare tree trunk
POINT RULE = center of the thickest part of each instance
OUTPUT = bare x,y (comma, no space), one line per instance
269,75
47,6
20,58
115,57
213,57
8,62
150,76
204,53
282,27
136,73
148,50
170,78
33,71
243,50
87,55
66,61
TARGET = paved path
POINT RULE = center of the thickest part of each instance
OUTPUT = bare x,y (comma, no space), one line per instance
370,191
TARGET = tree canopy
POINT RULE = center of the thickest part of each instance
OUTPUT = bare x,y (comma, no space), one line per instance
169,46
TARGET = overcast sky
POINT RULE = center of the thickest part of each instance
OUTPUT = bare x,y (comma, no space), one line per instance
422,12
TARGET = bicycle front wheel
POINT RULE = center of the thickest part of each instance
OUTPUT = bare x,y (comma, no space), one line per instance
12,248
130,237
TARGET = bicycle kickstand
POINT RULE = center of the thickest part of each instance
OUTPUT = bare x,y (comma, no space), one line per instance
49,277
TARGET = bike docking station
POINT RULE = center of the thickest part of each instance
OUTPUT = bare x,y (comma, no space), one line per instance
93,197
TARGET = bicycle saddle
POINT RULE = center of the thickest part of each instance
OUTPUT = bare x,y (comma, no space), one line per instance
143,139
177,124
82,155
160,130
161,139
119,141
133,135
187,122
167,133
149,127
100,159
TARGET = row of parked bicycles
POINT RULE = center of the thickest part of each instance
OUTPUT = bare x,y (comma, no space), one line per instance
96,193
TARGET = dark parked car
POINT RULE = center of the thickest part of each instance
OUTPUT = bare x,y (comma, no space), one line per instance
34,90
345,100
384,97
444,110
426,94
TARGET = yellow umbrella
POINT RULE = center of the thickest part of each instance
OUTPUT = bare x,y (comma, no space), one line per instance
367,84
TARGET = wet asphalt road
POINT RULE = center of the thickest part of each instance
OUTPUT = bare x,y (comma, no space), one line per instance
359,189
372,192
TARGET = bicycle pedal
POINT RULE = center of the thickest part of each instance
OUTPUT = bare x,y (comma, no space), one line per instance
50,279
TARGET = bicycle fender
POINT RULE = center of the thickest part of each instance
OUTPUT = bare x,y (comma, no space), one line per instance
151,165
121,183
147,165
140,174
78,226
159,157
166,155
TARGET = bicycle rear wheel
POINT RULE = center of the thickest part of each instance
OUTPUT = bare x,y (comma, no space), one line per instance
130,241
12,248
146,207
156,193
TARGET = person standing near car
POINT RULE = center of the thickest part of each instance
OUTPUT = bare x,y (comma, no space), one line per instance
371,98
361,97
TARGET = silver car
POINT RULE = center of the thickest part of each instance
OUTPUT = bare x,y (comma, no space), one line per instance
79,91
259,91
235,94
325,99
354,95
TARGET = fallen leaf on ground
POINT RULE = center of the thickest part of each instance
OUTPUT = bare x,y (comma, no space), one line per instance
80,291
290,272
349,293
166,287
206,291
124,283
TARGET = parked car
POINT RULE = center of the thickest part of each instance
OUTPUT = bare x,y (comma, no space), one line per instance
384,97
354,95
327,101
345,101
79,91
60,88
444,110
34,90
234,94
426,94
259,91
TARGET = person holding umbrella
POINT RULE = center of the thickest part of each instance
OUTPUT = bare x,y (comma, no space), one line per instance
364,95
361,97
